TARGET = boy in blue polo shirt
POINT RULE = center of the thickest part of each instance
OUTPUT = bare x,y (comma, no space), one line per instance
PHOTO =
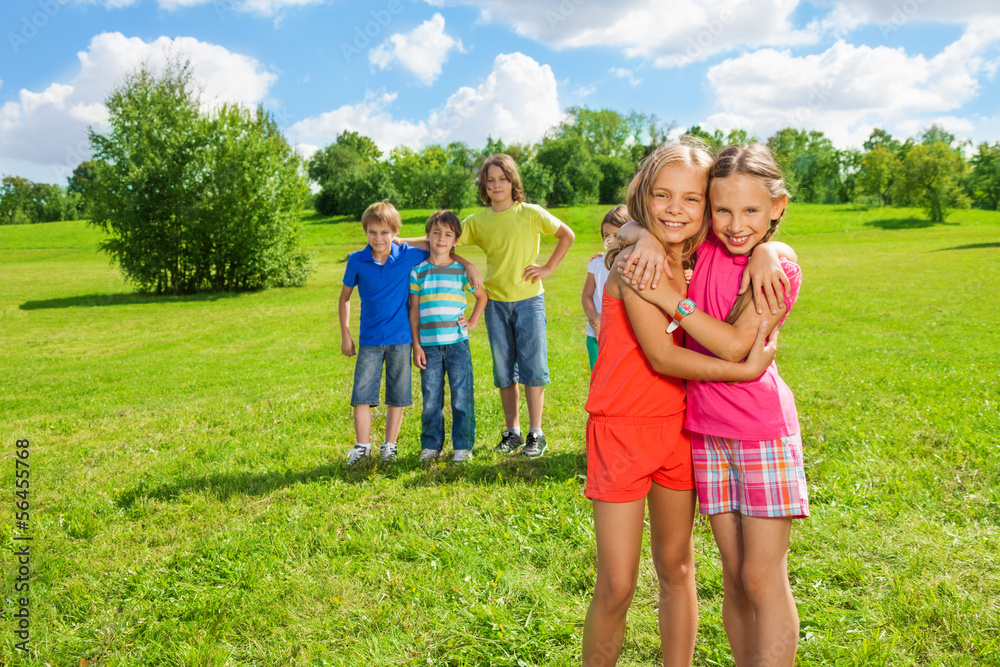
381,273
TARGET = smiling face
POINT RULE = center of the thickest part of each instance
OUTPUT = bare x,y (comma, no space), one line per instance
677,202
499,188
380,236
742,211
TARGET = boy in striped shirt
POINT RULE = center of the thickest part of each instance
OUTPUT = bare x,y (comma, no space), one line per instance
438,288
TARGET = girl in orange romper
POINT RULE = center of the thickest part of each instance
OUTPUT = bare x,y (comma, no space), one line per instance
637,450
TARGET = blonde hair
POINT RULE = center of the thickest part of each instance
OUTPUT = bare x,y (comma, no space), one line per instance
616,217
509,169
756,161
382,211
690,151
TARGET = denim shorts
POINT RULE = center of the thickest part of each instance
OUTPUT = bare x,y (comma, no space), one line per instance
368,375
517,342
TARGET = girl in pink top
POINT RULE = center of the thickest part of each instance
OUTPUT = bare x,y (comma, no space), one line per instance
746,447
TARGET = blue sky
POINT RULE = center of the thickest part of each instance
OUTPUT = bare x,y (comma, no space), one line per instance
416,72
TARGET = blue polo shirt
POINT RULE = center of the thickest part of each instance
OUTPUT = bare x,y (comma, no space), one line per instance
384,291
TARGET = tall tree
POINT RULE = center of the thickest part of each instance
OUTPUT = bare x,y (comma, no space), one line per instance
80,181
603,131
576,178
811,164
984,178
877,173
351,152
15,194
931,173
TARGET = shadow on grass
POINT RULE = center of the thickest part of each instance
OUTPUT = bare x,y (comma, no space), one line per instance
905,223
123,299
500,470
971,246
483,470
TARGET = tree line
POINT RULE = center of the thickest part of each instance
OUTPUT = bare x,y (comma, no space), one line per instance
195,200
590,158
25,202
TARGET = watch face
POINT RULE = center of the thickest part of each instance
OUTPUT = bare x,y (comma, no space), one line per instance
686,307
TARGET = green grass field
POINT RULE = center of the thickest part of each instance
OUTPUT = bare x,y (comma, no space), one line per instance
189,504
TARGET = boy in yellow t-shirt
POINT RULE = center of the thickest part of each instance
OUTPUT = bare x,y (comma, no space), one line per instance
509,232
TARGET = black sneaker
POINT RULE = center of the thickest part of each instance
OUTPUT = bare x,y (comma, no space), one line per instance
509,442
535,446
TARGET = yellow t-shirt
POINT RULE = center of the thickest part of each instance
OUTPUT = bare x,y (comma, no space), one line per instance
510,239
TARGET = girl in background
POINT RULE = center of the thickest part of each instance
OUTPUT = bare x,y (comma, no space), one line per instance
597,275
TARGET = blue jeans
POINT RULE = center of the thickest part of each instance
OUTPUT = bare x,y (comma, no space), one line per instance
455,361
368,375
517,342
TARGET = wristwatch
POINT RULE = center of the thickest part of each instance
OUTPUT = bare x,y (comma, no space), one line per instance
684,308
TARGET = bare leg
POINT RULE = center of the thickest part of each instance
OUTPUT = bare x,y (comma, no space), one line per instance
393,422
535,398
671,526
363,423
510,397
618,528
765,577
737,610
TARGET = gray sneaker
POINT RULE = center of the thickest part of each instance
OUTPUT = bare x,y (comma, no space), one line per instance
358,454
429,456
535,446
460,456
388,453
509,442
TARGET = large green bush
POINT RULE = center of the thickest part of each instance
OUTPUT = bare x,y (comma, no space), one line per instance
195,201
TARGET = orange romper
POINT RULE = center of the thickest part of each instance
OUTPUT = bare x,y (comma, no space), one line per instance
635,433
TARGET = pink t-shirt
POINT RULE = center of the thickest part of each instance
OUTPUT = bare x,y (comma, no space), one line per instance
759,410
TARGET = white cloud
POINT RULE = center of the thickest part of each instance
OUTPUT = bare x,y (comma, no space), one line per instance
623,73
889,16
371,118
422,51
517,102
669,32
49,127
847,90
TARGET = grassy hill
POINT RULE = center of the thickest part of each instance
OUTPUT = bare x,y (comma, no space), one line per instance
189,504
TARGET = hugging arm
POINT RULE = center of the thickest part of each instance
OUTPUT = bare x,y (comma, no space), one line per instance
647,261
731,342
649,323
475,277
765,273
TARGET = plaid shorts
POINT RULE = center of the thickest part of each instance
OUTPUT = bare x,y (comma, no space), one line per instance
762,478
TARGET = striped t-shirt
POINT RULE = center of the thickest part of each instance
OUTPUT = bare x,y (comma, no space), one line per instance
442,300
